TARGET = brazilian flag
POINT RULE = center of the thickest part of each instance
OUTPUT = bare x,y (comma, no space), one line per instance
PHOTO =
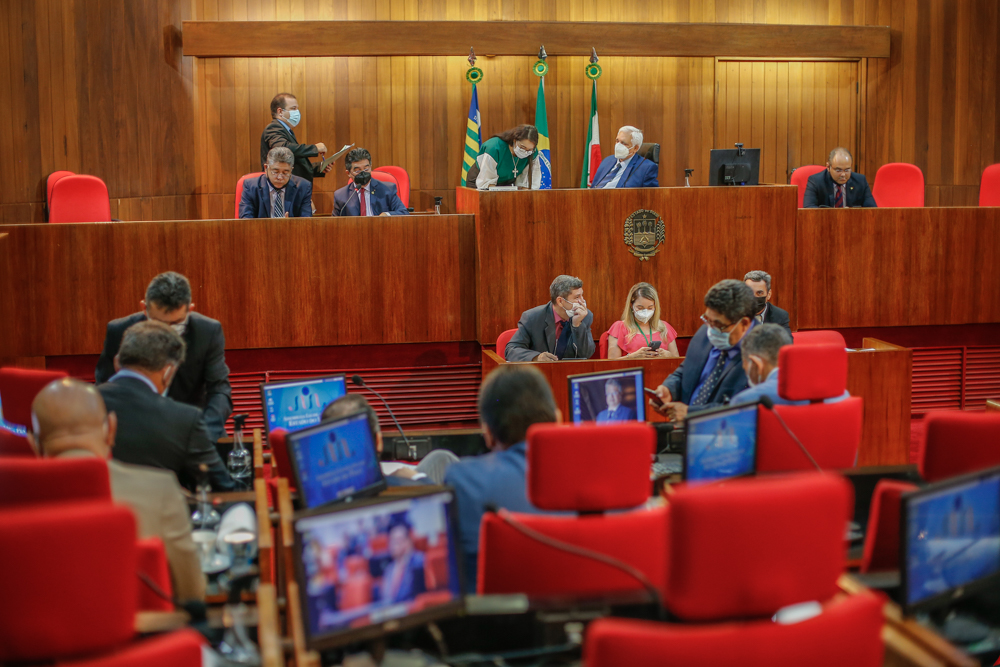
473,135
542,123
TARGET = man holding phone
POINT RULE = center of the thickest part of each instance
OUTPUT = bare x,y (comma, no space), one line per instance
557,330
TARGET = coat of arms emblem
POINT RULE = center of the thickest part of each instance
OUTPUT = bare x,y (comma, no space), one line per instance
644,232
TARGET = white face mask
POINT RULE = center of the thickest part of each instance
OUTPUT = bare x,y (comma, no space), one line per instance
294,117
643,315
520,152
621,151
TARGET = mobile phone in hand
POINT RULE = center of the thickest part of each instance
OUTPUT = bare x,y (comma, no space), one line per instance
655,345
653,397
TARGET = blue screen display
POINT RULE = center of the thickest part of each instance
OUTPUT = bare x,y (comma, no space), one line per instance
608,397
335,460
952,538
296,405
721,445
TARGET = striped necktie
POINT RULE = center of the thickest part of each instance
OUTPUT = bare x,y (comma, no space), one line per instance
610,176
712,381
278,205
838,200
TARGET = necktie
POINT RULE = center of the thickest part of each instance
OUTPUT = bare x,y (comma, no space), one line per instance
838,201
278,207
361,201
712,381
611,175
567,332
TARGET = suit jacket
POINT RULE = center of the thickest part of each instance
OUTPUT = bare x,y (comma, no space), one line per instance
536,333
275,135
639,173
203,378
159,432
384,199
256,201
775,315
623,413
819,191
412,581
682,382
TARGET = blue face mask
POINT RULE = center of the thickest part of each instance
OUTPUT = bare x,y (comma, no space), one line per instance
719,339
293,117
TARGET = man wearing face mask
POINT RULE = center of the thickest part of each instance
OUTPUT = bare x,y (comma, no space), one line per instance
203,379
766,312
154,430
626,169
279,133
712,372
363,195
557,330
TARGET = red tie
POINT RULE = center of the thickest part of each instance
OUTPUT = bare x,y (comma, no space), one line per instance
361,199
839,199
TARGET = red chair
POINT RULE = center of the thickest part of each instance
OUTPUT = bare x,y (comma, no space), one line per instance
33,481
881,551
955,443
152,562
13,445
848,632
502,341
800,177
239,190
385,178
562,476
831,432
603,346
80,198
77,608
18,388
49,182
278,439
402,181
819,337
989,186
898,185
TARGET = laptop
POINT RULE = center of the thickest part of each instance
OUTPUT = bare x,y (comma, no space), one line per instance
720,443
607,397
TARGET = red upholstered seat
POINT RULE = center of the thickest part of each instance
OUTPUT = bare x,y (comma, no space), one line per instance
812,372
848,632
278,439
385,178
176,649
152,562
955,443
989,186
898,185
402,181
882,535
25,481
749,547
603,346
18,388
80,198
502,341
800,177
239,190
51,181
820,336
14,445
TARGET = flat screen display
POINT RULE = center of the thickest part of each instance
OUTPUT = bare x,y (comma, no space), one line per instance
721,443
298,404
607,397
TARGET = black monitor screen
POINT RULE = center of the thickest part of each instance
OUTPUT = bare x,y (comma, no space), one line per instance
335,461
721,443
614,396
728,167
377,565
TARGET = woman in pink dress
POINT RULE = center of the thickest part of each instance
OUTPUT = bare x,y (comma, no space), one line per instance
632,337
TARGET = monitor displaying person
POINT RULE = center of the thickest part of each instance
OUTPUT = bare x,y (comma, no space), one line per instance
607,397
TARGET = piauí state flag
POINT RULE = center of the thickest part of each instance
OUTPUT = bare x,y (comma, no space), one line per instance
473,135
542,123
592,151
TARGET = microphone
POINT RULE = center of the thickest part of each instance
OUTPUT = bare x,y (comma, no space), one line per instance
769,404
356,191
359,381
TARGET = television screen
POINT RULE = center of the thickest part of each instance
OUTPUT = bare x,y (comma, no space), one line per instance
298,404
607,397
721,443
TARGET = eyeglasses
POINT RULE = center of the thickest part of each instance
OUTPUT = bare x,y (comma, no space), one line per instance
716,325
358,170
841,171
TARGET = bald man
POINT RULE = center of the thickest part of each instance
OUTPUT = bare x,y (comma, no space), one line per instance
69,419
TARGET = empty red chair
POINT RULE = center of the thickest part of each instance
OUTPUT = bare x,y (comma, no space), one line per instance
800,177
49,182
25,481
898,185
989,186
819,337
278,439
502,341
80,198
385,178
14,445
402,182
830,432
239,190
881,551
955,443
152,563
18,388
602,347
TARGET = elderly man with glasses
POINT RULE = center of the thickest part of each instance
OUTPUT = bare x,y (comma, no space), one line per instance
838,186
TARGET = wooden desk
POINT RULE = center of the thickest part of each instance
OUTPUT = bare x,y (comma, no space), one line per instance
525,239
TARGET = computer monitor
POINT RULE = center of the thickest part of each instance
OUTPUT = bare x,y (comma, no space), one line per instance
296,404
609,396
950,540
728,167
377,566
335,461
721,443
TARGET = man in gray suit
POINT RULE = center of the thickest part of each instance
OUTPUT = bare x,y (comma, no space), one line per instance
559,329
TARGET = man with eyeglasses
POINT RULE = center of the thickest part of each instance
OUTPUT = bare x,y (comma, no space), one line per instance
364,196
278,193
838,186
712,371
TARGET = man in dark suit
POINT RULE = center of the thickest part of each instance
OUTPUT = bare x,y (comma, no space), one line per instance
615,412
626,169
559,329
154,430
203,379
286,114
838,186
278,193
766,312
364,195
712,371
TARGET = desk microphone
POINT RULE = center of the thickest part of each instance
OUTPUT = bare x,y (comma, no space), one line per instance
359,381
769,404
356,191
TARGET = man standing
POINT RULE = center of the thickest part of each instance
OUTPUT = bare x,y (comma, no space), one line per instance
559,329
362,195
286,114
766,312
277,194
626,169
838,186
203,379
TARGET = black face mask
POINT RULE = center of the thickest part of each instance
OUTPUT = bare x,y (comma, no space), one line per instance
361,178
761,302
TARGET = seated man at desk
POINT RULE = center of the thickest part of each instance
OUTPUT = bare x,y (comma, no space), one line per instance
712,371
626,169
559,329
766,312
837,186
363,195
278,193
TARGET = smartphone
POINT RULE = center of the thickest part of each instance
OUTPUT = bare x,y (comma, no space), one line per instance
653,397
655,345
